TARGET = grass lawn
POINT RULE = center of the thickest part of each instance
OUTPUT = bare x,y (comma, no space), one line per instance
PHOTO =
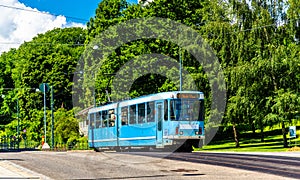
273,142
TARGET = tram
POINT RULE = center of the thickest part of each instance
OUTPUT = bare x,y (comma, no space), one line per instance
168,121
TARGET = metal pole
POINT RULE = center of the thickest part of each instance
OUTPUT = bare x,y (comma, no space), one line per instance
180,71
52,119
45,125
18,127
94,93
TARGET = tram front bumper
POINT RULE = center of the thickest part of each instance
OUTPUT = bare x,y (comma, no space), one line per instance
184,137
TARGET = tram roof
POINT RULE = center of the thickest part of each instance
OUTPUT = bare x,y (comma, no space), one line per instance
146,98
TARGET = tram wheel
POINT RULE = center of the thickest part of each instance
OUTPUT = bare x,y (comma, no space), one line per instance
96,149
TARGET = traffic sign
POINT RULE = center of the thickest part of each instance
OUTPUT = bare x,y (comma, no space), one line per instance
292,131
44,85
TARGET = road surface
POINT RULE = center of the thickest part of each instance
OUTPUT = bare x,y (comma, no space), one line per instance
142,165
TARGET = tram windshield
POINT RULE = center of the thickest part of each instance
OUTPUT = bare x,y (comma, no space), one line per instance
186,110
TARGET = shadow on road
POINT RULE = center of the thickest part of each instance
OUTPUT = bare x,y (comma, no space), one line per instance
272,164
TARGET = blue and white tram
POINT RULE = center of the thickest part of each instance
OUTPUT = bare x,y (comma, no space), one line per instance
172,120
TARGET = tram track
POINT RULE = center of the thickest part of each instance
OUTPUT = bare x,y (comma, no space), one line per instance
277,165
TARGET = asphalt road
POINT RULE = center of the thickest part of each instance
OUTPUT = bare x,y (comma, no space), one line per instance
143,165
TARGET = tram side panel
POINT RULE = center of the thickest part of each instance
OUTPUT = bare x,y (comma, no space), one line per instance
136,130
102,129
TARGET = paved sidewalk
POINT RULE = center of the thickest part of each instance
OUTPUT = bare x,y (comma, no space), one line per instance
9,170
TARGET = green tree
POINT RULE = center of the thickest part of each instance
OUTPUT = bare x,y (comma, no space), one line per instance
7,98
51,58
185,12
66,127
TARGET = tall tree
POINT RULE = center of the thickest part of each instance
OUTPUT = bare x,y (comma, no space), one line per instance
49,58
7,102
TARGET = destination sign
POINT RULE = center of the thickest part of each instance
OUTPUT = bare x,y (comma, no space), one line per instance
187,95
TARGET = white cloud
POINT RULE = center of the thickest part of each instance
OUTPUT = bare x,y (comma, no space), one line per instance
17,26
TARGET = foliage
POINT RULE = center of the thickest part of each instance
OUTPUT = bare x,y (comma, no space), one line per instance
50,57
147,83
66,129
7,100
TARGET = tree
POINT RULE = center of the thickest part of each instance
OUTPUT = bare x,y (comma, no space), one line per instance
51,58
284,108
185,12
66,130
7,98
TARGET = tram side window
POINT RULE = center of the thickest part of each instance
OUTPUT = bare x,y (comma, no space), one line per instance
166,110
172,110
132,114
92,120
141,113
98,120
104,119
150,112
124,115
112,118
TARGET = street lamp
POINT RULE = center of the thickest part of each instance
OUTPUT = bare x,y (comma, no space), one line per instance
95,47
44,87
18,127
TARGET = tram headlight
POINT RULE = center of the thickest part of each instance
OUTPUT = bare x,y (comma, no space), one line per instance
196,132
181,133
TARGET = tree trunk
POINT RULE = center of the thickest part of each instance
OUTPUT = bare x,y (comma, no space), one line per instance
253,129
284,135
236,138
262,137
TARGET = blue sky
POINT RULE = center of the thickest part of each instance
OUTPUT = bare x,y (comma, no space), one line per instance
21,20
82,9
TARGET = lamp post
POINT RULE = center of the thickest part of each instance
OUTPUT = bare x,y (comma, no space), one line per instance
52,119
94,91
95,47
18,127
180,71
44,87
45,118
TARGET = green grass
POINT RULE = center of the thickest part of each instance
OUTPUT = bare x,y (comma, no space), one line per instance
273,142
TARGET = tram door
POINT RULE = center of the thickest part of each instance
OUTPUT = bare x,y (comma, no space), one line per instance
159,115
91,130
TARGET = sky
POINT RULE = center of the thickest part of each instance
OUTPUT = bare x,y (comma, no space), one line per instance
73,10
21,20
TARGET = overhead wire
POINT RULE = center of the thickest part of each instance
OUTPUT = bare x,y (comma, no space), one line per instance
41,12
